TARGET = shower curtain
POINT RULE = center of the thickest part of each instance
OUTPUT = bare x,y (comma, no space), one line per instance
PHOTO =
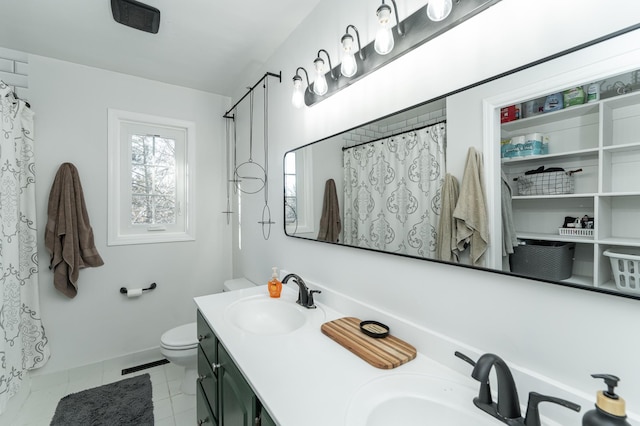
23,344
392,192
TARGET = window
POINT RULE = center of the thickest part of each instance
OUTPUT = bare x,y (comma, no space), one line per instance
298,202
151,179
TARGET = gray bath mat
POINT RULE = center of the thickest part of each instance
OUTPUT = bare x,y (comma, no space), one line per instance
124,403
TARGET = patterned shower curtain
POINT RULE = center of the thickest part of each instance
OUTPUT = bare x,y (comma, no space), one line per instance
392,192
23,344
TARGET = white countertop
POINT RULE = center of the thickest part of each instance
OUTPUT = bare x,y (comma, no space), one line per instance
304,377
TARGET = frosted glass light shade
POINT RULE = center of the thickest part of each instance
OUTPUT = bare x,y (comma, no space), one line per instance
297,99
437,10
349,66
384,37
320,86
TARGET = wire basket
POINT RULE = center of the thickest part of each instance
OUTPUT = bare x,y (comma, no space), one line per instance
576,232
625,266
546,183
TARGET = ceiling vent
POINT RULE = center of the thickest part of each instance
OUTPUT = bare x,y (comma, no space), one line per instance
136,15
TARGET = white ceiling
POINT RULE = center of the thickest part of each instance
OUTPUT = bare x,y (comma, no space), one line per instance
210,45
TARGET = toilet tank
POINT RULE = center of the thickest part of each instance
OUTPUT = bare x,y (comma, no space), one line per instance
237,284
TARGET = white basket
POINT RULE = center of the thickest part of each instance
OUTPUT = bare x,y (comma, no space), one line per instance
625,266
576,232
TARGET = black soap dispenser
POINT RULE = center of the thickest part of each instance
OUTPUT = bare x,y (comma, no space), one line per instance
610,410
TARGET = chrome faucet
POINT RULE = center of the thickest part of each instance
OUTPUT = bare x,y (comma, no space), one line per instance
507,410
305,296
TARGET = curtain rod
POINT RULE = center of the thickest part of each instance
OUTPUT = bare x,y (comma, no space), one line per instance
393,135
279,75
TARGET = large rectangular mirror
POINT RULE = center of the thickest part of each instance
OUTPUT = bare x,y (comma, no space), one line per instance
389,185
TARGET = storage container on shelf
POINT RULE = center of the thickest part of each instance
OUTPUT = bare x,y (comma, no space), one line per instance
551,260
625,267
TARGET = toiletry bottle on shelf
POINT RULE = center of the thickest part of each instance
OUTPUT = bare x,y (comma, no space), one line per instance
593,92
275,286
609,410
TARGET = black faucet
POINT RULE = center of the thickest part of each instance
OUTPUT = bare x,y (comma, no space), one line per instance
508,406
507,410
533,415
305,296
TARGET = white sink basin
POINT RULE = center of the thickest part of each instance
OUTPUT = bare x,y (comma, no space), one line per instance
415,400
264,315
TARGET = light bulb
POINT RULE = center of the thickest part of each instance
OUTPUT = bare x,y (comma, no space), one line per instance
384,37
297,99
437,10
349,67
320,86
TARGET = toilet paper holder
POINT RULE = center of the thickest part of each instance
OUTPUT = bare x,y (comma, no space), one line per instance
124,290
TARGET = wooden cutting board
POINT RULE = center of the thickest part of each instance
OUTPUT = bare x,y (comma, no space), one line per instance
387,352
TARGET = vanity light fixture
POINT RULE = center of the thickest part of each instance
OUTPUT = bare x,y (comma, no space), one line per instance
320,86
384,37
438,10
297,99
415,30
349,66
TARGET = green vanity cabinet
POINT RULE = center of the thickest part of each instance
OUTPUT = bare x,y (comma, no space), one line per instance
237,403
203,410
224,395
207,387
265,419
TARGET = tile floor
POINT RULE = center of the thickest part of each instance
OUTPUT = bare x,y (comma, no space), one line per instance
171,407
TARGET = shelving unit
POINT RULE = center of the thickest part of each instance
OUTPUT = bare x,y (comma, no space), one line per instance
603,139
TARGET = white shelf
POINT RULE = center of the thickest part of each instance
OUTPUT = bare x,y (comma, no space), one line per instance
551,197
552,117
611,125
622,148
618,241
553,237
580,280
586,153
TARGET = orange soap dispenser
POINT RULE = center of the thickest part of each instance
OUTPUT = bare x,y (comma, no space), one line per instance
275,286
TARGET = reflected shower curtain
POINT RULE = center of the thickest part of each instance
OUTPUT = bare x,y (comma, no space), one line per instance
392,192
23,344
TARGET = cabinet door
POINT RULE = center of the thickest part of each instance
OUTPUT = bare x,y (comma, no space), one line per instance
237,401
204,415
209,382
208,340
265,419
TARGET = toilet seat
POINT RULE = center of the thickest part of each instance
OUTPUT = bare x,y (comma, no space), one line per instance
183,337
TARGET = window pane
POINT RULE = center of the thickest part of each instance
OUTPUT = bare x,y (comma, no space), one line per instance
290,209
141,210
290,163
165,181
153,180
150,210
290,186
165,210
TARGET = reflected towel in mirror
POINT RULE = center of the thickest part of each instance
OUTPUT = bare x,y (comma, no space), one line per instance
330,222
447,243
471,211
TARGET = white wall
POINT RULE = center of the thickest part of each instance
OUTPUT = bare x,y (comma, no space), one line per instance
70,102
558,332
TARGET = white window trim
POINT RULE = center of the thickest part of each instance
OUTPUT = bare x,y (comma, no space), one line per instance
115,234
304,177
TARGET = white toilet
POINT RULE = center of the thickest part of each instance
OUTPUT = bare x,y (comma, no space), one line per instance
180,344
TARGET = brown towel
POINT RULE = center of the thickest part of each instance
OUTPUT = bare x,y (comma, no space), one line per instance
69,237
330,224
